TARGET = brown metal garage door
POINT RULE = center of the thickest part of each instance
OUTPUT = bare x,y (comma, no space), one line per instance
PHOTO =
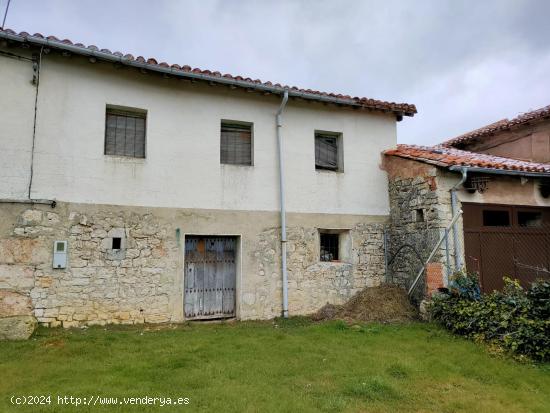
503,240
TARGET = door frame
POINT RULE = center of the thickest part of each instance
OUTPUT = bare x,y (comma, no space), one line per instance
238,269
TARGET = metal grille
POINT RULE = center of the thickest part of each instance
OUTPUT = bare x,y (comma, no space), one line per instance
125,133
236,144
329,247
326,152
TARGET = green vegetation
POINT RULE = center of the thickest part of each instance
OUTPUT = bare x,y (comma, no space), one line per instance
515,319
286,365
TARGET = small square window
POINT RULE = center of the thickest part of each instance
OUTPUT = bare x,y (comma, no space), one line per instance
125,132
419,215
529,219
328,152
496,218
236,143
330,246
117,243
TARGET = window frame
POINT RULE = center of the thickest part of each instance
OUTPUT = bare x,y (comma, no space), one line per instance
130,113
230,122
345,244
339,137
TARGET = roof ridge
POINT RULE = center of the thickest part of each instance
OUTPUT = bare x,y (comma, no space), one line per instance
214,76
503,124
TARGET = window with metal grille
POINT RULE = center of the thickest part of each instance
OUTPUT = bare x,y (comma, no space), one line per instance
327,151
329,246
125,133
236,143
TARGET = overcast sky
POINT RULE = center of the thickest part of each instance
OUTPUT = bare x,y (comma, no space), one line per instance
463,63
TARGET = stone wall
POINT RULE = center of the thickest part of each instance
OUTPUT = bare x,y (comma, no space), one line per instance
142,282
313,283
99,285
420,210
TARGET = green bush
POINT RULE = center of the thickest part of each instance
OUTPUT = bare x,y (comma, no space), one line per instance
515,319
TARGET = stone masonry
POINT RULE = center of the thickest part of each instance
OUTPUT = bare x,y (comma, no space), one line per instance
99,285
420,210
313,283
142,281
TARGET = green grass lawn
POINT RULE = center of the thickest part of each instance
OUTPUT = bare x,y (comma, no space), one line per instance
292,366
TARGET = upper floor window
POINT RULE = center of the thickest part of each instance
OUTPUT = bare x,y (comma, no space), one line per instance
125,132
328,151
236,143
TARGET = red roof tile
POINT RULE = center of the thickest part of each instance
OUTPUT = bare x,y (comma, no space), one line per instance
398,108
447,157
501,125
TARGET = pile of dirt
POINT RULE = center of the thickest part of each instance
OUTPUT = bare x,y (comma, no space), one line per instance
385,303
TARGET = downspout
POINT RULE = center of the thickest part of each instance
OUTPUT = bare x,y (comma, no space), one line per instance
36,65
36,61
456,242
282,198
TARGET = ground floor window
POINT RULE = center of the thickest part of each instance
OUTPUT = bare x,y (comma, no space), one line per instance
330,245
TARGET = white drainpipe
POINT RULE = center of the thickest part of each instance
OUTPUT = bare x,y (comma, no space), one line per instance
282,198
454,207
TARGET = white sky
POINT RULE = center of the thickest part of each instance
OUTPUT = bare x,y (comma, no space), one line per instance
463,63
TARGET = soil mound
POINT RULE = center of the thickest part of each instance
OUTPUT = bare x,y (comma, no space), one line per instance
385,303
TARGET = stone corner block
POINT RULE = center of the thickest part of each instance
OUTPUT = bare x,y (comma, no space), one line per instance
13,304
17,327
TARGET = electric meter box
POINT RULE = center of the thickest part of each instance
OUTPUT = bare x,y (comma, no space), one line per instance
60,254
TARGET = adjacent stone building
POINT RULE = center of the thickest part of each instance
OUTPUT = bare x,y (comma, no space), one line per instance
504,229
136,191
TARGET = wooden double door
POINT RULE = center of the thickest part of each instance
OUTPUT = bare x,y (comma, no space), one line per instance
210,277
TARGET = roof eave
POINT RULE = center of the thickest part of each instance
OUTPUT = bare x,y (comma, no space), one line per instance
198,76
495,171
419,159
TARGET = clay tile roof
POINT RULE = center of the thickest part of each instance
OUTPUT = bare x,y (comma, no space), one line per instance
501,125
152,64
447,157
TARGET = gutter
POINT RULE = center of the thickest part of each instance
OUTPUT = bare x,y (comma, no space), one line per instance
500,171
49,202
279,122
199,76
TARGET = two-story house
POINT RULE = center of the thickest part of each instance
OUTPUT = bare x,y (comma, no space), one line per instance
138,191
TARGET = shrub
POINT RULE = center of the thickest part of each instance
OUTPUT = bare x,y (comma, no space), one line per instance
515,319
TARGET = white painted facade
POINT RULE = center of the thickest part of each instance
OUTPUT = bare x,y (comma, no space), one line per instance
182,166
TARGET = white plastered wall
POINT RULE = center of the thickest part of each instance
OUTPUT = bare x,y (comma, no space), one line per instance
182,167
17,94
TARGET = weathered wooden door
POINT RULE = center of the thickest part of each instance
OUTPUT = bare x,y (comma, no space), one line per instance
210,277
